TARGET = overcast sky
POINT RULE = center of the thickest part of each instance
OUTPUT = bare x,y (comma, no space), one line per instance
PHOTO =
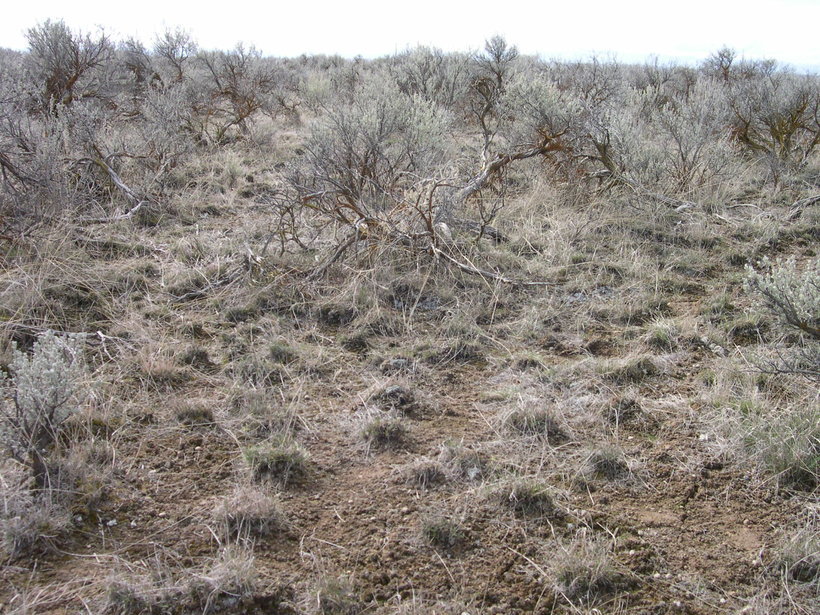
629,30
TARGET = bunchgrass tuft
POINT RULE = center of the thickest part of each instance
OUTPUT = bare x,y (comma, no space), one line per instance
528,498
384,431
426,473
536,423
249,512
442,532
279,459
585,573
337,597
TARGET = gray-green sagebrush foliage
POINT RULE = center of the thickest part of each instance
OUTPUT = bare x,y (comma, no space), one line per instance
43,390
792,295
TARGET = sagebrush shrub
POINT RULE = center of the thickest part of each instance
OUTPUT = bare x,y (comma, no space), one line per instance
793,298
42,392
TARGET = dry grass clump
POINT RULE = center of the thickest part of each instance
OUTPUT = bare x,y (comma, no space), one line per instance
527,498
382,430
607,462
398,365
530,360
443,532
630,370
197,357
785,444
791,582
456,350
747,330
259,371
425,473
357,342
623,409
231,577
400,399
56,288
718,308
279,459
640,310
156,368
394,397
194,413
226,584
265,412
338,597
774,430
798,556
249,512
584,571
336,314
662,335
282,352
464,463
535,423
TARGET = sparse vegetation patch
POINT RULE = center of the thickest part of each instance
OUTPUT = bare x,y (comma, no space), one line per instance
443,332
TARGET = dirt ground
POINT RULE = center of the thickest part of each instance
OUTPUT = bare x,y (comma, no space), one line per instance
677,527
